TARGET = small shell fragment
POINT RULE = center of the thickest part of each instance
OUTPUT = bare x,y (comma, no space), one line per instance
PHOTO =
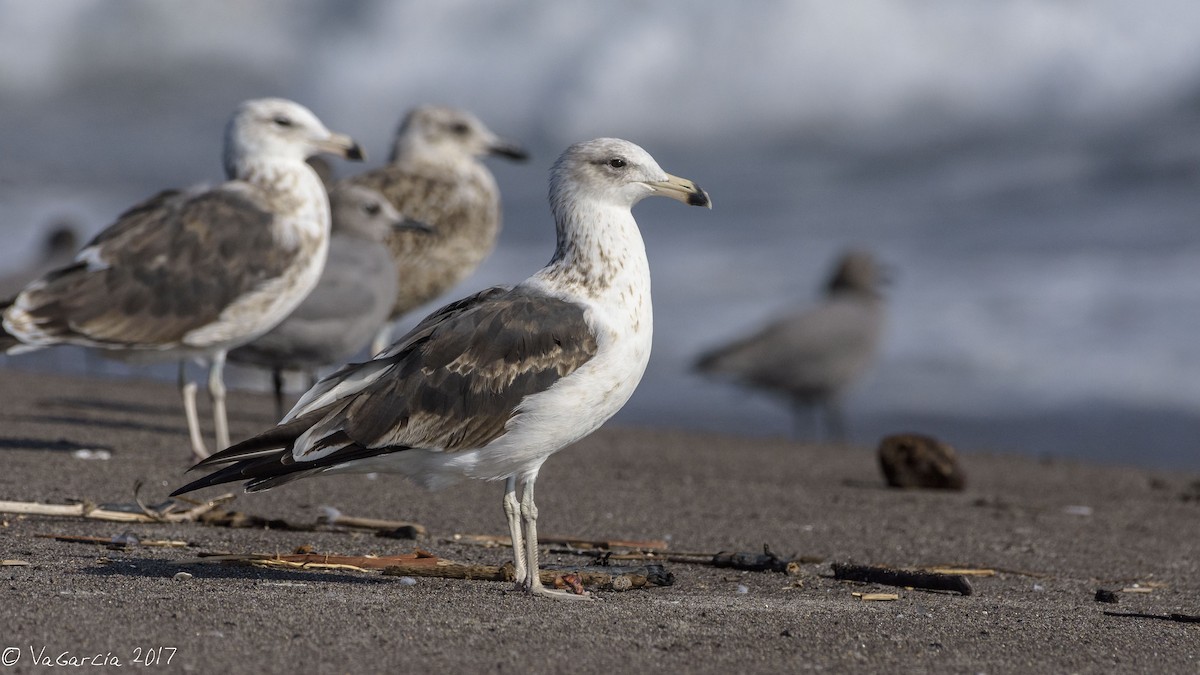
876,597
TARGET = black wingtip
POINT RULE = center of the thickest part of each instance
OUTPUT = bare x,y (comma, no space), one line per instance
243,470
194,485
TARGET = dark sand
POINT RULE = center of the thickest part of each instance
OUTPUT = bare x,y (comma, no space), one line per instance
703,492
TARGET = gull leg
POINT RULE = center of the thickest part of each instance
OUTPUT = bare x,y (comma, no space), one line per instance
533,581
216,392
805,420
277,381
512,510
835,422
187,389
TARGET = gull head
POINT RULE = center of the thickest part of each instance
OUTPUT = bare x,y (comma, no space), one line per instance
440,134
618,173
277,128
858,272
363,213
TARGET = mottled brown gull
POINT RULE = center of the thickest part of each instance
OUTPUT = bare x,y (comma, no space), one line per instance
435,176
810,357
191,274
490,386
351,301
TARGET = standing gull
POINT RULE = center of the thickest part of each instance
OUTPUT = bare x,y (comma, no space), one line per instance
490,386
435,176
351,301
191,274
811,357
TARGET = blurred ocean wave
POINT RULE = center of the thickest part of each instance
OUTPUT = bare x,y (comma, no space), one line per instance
1028,168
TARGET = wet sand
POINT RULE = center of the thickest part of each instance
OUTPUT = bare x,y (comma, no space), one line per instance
1057,531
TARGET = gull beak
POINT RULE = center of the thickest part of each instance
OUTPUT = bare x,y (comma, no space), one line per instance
342,146
412,225
508,149
681,189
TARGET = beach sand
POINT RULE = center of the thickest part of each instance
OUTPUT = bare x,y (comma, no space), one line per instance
1056,531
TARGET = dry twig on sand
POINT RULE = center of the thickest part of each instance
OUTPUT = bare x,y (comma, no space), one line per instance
180,510
767,561
121,541
319,561
423,564
597,578
576,544
118,513
909,578
1174,616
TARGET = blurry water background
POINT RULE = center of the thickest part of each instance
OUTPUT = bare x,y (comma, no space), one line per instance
1028,169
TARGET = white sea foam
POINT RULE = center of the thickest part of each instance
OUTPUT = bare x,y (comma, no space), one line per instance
1023,165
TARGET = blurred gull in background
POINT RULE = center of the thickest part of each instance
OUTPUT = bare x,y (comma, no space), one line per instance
190,274
811,357
352,300
434,176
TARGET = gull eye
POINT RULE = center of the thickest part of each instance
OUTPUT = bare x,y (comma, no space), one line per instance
616,163
460,128
371,209
283,120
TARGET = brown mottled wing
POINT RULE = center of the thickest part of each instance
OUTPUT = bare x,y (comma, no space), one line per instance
454,382
168,266
455,208
442,201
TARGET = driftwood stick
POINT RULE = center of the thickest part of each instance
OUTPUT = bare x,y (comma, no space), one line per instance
319,561
577,543
998,570
754,562
424,564
1174,616
411,529
90,511
893,577
766,561
237,519
622,580
118,542
206,513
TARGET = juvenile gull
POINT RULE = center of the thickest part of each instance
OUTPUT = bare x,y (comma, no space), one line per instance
351,301
191,274
811,357
434,175
490,386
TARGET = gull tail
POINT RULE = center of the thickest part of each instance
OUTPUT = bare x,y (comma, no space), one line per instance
7,340
266,460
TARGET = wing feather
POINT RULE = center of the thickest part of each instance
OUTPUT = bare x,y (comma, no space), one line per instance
451,384
166,267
